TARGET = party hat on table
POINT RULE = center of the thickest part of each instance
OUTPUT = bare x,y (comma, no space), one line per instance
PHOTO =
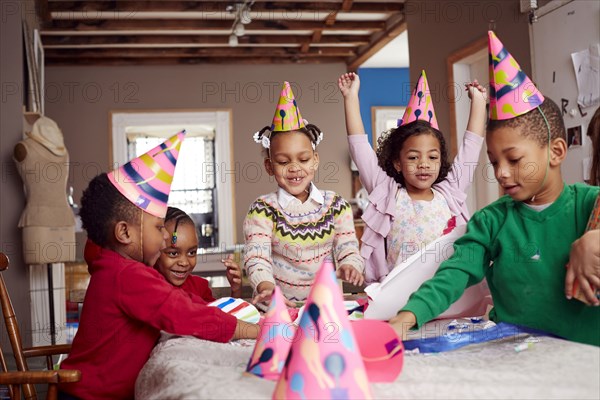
381,349
511,91
324,361
420,105
275,340
287,114
146,180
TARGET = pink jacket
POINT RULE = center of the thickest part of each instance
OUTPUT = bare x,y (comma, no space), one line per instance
382,189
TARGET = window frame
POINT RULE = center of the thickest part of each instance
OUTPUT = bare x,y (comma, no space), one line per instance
222,120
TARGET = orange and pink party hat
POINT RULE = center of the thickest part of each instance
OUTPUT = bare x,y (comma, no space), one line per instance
146,180
420,105
512,93
324,361
275,340
287,114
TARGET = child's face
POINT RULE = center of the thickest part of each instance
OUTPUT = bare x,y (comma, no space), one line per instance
419,162
178,260
292,162
153,239
519,162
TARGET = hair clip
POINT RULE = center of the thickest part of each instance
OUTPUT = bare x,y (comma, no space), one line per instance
262,139
318,140
174,238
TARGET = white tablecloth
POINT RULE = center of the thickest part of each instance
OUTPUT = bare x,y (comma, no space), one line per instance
189,368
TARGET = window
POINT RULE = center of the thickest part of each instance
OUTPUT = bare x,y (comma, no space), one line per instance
195,188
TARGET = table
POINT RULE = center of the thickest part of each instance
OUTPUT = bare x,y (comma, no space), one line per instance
190,368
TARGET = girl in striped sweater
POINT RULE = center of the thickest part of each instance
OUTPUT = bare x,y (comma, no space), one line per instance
289,232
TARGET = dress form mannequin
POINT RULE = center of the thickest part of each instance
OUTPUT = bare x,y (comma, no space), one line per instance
48,222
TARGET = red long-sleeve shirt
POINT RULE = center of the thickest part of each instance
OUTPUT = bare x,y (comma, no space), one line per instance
126,305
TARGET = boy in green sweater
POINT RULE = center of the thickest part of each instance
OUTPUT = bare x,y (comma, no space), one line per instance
520,243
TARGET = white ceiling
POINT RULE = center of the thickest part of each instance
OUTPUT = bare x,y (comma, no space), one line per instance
392,55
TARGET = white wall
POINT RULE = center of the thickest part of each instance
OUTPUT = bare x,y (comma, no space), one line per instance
568,29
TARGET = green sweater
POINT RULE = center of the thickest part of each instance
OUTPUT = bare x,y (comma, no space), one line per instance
522,253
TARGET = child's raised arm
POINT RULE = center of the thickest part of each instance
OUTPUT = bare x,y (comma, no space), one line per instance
349,83
477,114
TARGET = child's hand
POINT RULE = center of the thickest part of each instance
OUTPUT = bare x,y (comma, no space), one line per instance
349,83
234,275
348,273
265,292
477,114
584,266
402,323
477,93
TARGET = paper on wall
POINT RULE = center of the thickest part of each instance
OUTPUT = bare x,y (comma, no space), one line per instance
587,72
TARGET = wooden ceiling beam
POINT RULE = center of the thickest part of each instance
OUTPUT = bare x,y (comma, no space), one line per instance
230,53
201,39
153,25
190,61
316,38
396,25
43,11
219,6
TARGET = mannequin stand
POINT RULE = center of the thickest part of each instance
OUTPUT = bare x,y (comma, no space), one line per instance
51,304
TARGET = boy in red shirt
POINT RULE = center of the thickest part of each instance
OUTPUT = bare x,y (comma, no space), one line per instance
128,302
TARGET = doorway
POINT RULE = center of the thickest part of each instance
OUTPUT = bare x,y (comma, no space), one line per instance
464,65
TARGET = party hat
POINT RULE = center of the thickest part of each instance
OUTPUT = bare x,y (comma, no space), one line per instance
146,180
511,91
420,105
381,349
287,114
274,342
324,361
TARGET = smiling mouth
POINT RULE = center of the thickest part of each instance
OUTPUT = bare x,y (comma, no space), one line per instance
179,274
296,179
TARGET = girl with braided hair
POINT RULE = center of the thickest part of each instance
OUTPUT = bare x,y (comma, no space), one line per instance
178,259
288,233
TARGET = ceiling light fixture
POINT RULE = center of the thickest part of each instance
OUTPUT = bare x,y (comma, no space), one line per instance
242,17
239,29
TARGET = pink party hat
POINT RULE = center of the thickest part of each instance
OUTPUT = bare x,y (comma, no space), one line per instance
420,105
511,91
274,342
287,114
146,180
324,361
381,349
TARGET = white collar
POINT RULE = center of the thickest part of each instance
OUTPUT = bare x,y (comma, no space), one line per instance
285,199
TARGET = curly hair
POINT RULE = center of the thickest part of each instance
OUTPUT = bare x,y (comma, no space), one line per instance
310,130
102,206
390,144
532,123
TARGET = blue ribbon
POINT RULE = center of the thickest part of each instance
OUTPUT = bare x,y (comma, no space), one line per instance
453,339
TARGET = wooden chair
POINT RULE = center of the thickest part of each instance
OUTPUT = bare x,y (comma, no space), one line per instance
23,377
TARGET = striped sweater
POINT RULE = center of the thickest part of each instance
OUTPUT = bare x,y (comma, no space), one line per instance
286,246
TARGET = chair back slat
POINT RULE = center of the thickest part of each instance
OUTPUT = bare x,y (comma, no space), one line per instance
12,327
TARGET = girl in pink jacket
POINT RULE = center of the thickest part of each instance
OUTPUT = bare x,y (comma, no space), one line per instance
415,195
